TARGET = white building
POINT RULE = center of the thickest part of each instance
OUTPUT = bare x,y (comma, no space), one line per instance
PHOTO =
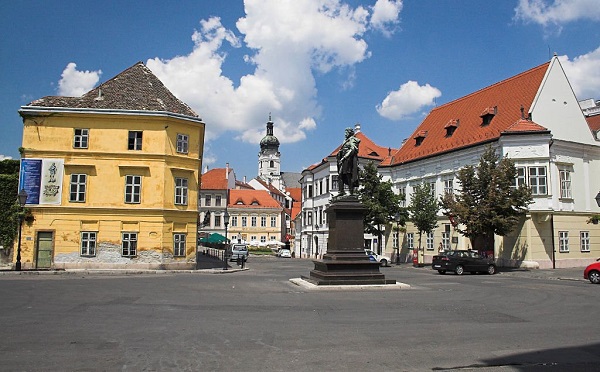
319,184
534,119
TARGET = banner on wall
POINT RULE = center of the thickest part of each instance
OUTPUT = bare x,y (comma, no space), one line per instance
42,179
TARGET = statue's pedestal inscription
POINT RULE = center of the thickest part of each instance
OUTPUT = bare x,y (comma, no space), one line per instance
345,262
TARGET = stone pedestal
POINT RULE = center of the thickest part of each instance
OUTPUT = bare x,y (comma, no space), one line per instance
345,262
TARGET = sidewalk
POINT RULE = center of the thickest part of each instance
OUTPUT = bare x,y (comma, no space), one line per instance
4,271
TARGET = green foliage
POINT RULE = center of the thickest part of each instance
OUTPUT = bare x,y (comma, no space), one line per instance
487,202
379,199
9,209
423,209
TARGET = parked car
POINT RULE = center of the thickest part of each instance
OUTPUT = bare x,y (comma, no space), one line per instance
592,272
285,253
460,261
382,259
239,250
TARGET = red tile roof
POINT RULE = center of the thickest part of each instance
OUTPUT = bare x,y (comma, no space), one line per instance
295,193
251,199
501,101
367,149
525,126
214,179
269,187
593,122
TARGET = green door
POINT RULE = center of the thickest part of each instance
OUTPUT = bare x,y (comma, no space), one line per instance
44,250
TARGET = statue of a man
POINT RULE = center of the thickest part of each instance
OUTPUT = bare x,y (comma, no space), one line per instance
347,162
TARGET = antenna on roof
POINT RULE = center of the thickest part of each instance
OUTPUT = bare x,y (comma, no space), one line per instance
522,112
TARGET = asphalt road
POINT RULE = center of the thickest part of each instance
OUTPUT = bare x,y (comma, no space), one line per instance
256,320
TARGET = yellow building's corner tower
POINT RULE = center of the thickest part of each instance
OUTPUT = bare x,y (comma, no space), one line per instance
112,177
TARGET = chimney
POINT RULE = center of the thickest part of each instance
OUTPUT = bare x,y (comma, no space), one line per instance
357,128
226,171
244,179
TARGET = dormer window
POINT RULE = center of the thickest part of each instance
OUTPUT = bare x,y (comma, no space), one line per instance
419,137
488,114
451,126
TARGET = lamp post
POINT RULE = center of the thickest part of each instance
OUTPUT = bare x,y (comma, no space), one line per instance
226,221
21,199
397,219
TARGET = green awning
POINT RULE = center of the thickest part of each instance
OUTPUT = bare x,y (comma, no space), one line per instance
213,238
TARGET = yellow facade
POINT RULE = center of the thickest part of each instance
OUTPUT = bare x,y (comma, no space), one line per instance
106,162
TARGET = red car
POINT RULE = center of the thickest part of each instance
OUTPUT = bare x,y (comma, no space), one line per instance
592,272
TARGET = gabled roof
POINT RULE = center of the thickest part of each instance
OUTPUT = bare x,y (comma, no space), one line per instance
252,199
214,179
500,104
522,126
270,187
135,89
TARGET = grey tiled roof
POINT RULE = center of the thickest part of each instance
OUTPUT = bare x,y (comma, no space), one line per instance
136,88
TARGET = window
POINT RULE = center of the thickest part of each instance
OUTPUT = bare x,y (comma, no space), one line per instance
429,241
563,241
207,200
334,182
244,221
88,243
410,241
395,239
537,180
178,245
253,221
181,191
520,180
133,189
446,237
77,188
252,237
217,200
448,188
129,244
182,143
233,221
310,191
217,221
272,238
80,140
402,193
432,189
584,238
263,239
309,219
135,140
565,184
273,221
263,221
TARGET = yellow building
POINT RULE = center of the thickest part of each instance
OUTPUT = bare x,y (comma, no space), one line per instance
112,177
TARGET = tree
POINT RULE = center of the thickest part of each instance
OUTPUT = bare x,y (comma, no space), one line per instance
488,203
423,210
9,209
379,199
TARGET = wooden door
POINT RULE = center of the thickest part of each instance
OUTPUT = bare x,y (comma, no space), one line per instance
44,246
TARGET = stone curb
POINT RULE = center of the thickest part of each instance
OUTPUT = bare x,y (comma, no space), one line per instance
118,272
310,286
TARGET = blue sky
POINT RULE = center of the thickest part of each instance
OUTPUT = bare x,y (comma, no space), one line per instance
318,66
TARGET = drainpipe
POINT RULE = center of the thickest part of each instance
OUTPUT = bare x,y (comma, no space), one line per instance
552,240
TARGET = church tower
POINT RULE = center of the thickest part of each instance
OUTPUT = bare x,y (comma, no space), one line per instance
269,157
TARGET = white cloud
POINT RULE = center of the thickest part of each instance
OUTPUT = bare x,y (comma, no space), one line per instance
386,13
288,42
584,74
4,157
409,99
556,12
74,83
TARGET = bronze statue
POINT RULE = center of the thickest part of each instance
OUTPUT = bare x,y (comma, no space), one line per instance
347,163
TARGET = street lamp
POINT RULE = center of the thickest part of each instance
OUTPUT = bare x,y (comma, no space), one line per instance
21,199
397,218
598,198
226,221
